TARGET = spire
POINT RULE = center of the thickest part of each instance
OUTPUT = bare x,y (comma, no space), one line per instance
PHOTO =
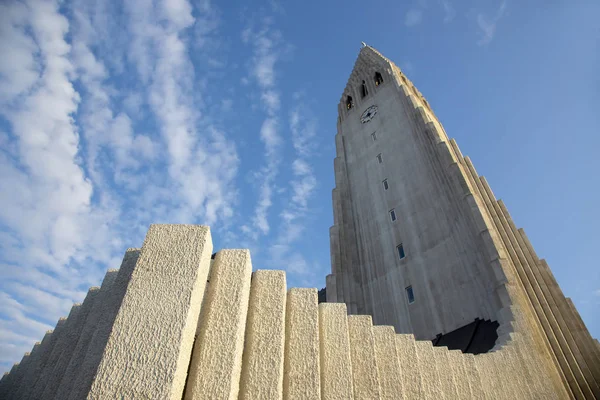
367,63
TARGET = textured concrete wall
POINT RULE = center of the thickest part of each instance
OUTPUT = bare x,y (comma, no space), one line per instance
217,357
75,372
149,347
254,340
262,366
69,343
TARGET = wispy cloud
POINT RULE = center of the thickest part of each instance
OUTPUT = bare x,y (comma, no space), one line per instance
303,127
264,41
487,25
449,11
413,17
89,164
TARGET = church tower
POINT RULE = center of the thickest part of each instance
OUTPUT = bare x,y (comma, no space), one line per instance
420,242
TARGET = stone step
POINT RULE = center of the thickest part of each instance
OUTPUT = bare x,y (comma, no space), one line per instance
156,326
262,364
412,375
301,376
362,353
74,373
432,387
388,366
334,342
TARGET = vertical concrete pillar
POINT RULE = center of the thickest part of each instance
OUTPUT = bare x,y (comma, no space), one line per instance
19,378
29,378
301,375
262,363
540,324
334,340
59,347
25,369
472,375
412,376
76,371
69,343
42,362
581,338
485,367
362,353
458,369
7,386
388,367
445,371
584,333
217,359
555,319
19,373
156,323
432,388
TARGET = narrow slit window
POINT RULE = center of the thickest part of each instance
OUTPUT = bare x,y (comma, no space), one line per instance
393,215
385,184
410,294
379,158
373,136
349,103
400,249
364,91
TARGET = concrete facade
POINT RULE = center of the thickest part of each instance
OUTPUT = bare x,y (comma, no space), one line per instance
244,337
171,323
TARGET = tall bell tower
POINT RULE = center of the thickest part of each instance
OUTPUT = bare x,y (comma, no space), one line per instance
403,247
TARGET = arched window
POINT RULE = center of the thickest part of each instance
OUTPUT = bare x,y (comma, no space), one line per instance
378,79
364,90
349,102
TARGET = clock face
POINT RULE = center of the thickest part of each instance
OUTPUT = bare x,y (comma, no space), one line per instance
368,115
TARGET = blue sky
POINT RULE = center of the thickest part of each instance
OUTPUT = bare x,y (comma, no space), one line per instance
117,115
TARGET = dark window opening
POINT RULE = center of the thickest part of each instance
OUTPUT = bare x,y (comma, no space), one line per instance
393,215
349,103
400,249
379,158
378,79
364,89
410,294
385,184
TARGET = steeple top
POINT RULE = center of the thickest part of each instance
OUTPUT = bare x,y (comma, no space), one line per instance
370,70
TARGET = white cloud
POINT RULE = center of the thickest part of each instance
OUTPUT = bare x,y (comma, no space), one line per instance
293,218
449,11
264,42
488,25
69,158
413,17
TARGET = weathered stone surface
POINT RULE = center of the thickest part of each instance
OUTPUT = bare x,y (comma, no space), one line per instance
362,352
262,367
334,341
69,342
301,376
217,359
76,371
149,347
388,367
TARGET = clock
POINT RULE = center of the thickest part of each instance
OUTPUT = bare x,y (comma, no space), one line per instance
368,115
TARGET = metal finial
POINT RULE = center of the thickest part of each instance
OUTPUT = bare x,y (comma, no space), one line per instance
364,44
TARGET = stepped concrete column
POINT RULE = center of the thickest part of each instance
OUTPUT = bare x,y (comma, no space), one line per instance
217,358
156,323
